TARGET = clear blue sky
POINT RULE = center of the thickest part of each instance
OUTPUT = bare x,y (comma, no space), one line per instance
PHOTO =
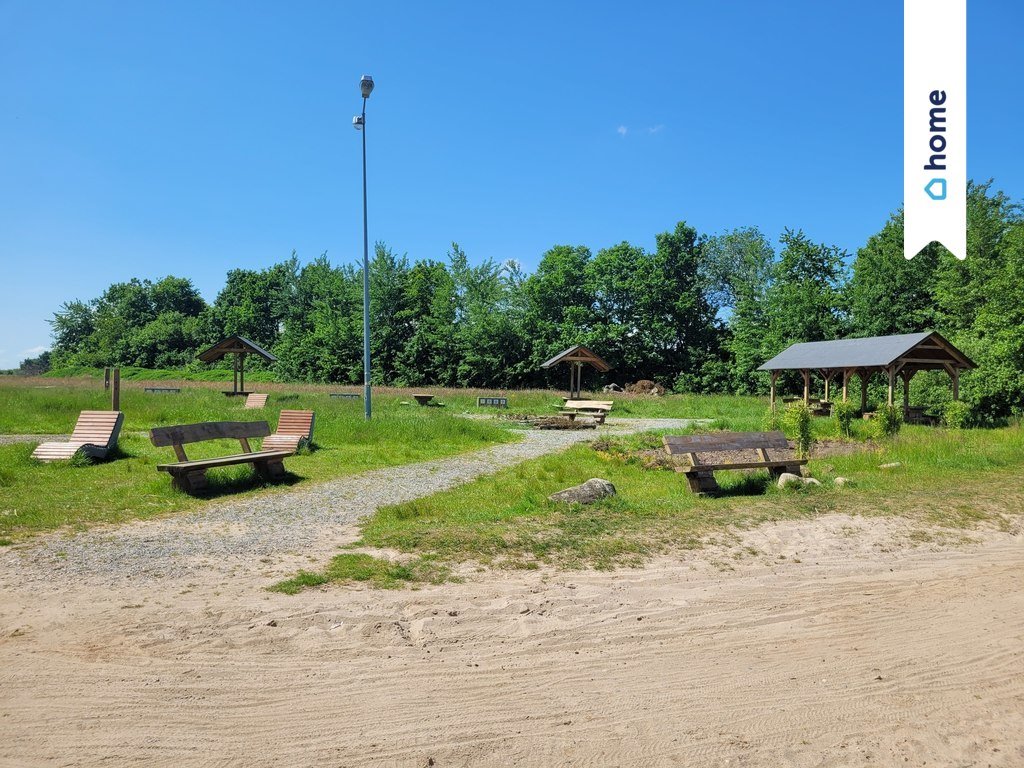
189,138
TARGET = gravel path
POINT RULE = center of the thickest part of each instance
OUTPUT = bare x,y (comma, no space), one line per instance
12,439
269,528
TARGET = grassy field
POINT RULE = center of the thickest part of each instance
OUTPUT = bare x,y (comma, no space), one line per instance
36,497
947,478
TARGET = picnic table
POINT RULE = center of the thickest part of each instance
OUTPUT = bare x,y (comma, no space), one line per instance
422,398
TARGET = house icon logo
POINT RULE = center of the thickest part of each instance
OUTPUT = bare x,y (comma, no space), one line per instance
936,189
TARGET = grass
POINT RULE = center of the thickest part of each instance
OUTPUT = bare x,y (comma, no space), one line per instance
359,567
36,497
945,478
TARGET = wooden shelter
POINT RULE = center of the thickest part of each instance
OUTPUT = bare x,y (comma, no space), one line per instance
576,357
239,346
898,356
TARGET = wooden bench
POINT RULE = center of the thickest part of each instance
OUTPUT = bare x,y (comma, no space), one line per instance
596,409
294,429
190,476
346,395
162,390
700,474
256,401
493,402
95,435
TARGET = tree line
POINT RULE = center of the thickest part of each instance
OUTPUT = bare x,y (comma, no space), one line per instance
699,313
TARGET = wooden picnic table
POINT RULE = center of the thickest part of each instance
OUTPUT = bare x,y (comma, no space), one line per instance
423,398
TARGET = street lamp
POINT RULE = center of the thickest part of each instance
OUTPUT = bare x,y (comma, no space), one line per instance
359,123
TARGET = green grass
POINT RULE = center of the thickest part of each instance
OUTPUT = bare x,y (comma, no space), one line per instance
379,573
36,497
952,479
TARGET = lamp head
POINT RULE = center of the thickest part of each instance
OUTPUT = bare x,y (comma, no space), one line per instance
357,122
366,86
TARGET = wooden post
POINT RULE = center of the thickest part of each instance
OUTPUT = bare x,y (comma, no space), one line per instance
234,374
771,397
906,395
241,372
956,383
846,382
864,392
892,382
807,386
115,397
106,379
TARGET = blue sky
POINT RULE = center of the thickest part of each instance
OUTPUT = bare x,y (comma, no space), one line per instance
189,138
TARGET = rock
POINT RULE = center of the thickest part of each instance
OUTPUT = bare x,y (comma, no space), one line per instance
890,465
787,479
811,481
839,482
611,388
595,488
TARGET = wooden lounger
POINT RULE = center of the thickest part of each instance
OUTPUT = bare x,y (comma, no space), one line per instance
256,401
294,428
95,435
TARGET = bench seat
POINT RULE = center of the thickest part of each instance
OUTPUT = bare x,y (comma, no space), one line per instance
742,465
184,467
700,474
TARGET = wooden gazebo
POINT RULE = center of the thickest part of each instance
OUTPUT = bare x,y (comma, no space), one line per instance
239,346
894,356
576,357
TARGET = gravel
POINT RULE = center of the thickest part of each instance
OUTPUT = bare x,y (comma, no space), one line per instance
229,533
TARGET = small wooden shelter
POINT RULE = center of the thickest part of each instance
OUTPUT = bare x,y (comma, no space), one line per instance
899,356
576,357
239,346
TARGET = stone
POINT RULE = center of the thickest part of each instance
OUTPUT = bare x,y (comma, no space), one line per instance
839,482
787,479
595,488
811,481
611,388
890,465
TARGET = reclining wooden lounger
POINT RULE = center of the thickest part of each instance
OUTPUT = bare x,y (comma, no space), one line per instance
95,435
256,401
294,429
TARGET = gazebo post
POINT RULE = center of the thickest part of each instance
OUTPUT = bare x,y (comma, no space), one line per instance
771,397
956,383
906,394
827,374
846,382
892,382
234,374
241,371
864,375
807,386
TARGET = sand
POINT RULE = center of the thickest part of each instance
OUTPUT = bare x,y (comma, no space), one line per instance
833,642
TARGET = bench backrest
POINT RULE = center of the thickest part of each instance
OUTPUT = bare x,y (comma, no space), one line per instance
677,445
178,436
298,423
600,405
256,401
98,428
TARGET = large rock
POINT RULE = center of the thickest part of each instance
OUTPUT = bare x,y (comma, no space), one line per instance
611,388
595,488
787,479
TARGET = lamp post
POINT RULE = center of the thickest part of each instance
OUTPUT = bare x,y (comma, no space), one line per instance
359,123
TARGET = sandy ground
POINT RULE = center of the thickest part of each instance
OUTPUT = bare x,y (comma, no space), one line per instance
835,642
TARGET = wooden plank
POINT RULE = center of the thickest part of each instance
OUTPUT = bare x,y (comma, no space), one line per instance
256,400
184,467
745,465
210,430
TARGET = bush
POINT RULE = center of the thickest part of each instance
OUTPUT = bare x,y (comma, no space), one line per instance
797,423
772,421
956,414
844,413
888,420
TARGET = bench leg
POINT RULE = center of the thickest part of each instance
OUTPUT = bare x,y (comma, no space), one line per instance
702,482
190,482
270,470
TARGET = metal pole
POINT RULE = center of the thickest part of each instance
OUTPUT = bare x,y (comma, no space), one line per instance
366,286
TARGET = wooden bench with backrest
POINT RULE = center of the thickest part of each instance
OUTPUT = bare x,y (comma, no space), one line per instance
95,435
597,409
190,475
256,401
294,429
700,472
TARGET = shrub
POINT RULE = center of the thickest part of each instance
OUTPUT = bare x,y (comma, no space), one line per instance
844,413
797,423
956,414
888,420
772,421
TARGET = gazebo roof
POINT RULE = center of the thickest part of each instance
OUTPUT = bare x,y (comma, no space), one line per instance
578,354
235,345
925,350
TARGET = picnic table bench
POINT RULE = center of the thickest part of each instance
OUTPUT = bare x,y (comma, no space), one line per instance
700,474
190,475
162,390
596,409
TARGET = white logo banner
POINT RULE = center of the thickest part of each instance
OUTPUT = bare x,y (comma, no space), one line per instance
935,125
